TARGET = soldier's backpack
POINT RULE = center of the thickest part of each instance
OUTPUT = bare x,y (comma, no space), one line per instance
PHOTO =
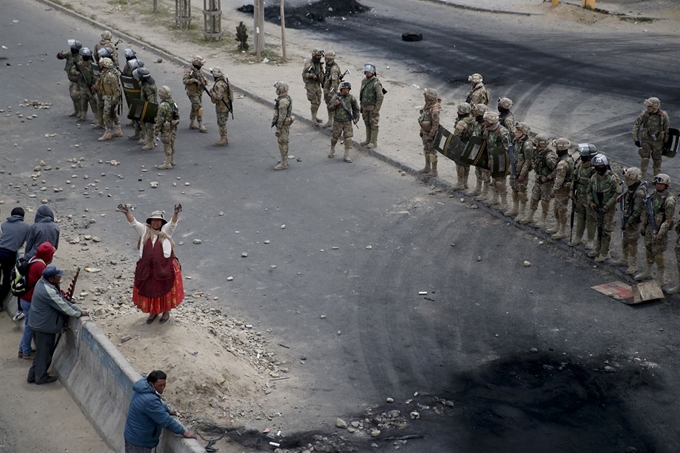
19,277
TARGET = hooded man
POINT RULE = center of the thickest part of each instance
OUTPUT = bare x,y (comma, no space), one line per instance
43,230
14,234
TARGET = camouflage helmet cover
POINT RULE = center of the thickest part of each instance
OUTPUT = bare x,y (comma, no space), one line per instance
217,72
600,160
464,108
106,35
480,109
330,55
505,103
106,63
542,140
316,53
524,127
662,178
431,94
198,61
562,144
475,78
491,117
281,87
653,102
164,92
632,173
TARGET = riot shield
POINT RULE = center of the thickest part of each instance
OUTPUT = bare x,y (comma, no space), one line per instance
671,146
142,111
475,153
96,72
131,89
500,161
449,145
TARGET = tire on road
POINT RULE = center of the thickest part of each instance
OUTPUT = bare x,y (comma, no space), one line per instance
412,36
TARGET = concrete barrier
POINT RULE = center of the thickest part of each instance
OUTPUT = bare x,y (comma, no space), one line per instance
99,379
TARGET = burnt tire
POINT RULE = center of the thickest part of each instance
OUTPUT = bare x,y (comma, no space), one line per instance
412,36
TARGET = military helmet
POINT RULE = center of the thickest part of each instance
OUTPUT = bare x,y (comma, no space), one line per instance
662,178
505,103
104,53
198,61
217,72
587,149
164,92
74,44
85,52
106,63
369,67
491,117
141,73
562,144
632,173
346,85
129,54
542,140
106,35
653,102
480,109
281,87
600,160
475,78
316,53
524,127
431,94
136,63
464,108
330,55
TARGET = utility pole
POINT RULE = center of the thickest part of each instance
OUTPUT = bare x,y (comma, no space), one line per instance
259,28
283,30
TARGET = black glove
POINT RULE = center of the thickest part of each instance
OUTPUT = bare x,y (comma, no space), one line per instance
637,143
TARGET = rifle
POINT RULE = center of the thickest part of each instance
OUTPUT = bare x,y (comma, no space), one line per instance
342,76
229,106
622,203
318,77
600,216
349,112
649,208
89,85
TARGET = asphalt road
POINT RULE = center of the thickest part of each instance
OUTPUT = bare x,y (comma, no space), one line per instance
468,340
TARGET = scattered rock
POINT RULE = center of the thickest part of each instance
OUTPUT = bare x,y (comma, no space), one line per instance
527,263
340,423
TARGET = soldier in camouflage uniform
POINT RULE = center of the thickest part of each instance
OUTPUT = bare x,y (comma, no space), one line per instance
497,136
283,118
312,75
331,82
194,83
464,128
656,241
167,121
633,208
131,66
507,118
222,95
478,93
482,174
83,70
108,87
603,190
429,124
343,120
105,43
371,99
524,153
584,214
129,56
72,57
544,163
650,132
561,189
149,93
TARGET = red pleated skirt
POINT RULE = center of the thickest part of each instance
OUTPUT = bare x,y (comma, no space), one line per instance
157,305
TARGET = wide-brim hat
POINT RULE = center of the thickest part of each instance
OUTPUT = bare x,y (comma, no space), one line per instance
158,215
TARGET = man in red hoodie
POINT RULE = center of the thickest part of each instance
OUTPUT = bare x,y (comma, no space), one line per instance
39,262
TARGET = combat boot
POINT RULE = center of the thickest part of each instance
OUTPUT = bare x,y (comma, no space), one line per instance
544,214
201,127
283,164
135,137
660,269
148,145
514,209
604,250
466,175
331,153
460,178
76,110
172,157
530,214
562,233
346,157
433,162
166,165
222,141
118,132
521,210
426,169
192,125
329,123
83,113
493,200
647,274
368,137
106,136
556,226
477,190
374,138
315,119
591,227
675,289
623,260
485,192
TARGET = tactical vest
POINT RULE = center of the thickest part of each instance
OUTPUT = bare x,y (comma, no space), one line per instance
289,110
653,123
369,88
582,177
541,166
570,169
172,114
425,118
469,130
629,203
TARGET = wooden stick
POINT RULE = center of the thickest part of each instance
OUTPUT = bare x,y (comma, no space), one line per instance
283,30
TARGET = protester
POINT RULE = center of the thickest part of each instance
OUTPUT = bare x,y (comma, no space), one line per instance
148,415
14,234
37,265
43,229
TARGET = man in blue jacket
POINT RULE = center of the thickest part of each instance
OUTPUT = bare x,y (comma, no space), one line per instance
44,229
148,415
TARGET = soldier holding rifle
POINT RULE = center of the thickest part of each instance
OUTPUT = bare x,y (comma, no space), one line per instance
194,83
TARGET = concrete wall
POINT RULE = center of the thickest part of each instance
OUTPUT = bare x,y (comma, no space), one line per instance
100,380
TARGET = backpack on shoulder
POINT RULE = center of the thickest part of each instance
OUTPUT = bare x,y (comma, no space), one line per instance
19,277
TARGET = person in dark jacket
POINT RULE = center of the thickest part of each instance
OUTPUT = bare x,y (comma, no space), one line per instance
14,234
49,307
43,230
148,415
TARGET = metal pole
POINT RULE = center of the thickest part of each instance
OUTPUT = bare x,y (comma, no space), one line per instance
155,6
283,30
258,37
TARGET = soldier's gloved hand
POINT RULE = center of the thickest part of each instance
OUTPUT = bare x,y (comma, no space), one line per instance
336,103
637,143
593,205
552,194
521,178
277,133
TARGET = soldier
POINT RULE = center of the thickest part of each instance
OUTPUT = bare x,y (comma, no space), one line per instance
544,162
109,90
345,113
603,190
72,57
222,95
655,228
478,93
584,214
312,75
167,121
194,83
482,174
524,153
283,118
331,82
105,43
561,189
633,207
140,129
83,69
650,132
497,136
506,117
464,128
129,55
429,123
371,98
148,93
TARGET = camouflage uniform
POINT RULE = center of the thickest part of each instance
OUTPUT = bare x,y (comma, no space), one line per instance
283,118
650,132
478,93
633,208
331,82
464,128
167,121
429,124
73,78
194,81
663,207
609,186
222,95
343,122
371,98
585,215
108,87
83,70
481,172
149,93
544,163
561,189
312,75
524,153
497,136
